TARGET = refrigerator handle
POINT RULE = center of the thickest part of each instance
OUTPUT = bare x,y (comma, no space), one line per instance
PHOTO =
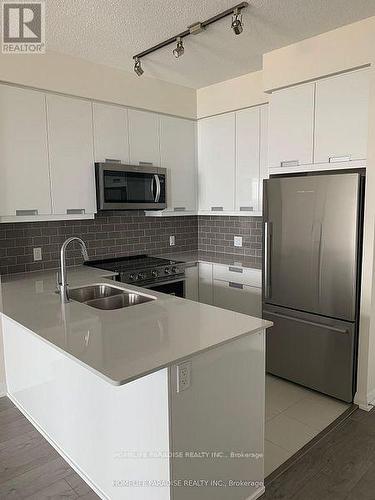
306,322
267,260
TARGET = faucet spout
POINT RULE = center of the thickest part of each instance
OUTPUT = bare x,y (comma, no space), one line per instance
63,281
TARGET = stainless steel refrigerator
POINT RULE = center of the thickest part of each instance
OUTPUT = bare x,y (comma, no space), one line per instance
311,278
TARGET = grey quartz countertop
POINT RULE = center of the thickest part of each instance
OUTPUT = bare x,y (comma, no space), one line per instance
192,257
124,344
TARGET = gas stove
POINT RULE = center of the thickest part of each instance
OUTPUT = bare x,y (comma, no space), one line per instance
142,270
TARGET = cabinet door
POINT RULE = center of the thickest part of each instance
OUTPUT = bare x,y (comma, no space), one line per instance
177,147
205,283
291,126
247,159
342,117
192,283
144,137
264,172
237,297
111,137
216,162
24,173
71,155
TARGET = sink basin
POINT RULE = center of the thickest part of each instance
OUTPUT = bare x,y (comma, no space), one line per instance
107,297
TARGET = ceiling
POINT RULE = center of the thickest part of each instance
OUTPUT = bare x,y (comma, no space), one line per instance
110,32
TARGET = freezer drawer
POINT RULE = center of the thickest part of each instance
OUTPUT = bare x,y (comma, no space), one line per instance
316,352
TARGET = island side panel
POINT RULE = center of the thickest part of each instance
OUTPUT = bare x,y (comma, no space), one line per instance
221,412
102,429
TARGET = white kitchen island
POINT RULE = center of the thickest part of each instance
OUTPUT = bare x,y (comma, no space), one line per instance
156,401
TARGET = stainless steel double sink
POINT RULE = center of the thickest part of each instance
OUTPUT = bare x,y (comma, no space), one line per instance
107,297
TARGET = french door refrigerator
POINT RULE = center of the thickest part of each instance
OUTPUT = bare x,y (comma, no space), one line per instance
311,278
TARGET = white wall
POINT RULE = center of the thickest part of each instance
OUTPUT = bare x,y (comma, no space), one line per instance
332,52
237,93
75,76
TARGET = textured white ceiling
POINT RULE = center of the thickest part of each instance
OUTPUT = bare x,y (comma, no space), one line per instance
111,31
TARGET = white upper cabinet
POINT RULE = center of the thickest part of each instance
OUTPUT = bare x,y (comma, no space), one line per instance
144,137
216,162
178,155
291,126
24,173
71,149
341,117
111,137
247,159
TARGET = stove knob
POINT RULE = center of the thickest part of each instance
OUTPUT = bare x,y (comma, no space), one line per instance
133,277
175,270
154,273
142,276
167,270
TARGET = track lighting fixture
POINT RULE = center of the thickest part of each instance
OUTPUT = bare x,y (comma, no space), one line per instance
179,50
138,67
194,29
237,22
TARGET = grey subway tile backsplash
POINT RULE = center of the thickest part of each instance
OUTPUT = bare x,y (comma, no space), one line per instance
115,234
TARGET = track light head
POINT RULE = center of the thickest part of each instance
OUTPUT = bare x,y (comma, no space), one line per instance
237,26
138,67
179,50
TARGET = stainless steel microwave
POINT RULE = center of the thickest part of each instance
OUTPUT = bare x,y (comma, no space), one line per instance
130,187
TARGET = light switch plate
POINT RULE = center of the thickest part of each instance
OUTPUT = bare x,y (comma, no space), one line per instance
238,241
172,241
37,252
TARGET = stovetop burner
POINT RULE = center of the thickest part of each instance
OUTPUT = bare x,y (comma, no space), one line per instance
141,269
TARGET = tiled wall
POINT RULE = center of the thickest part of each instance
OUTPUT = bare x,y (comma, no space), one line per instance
106,236
216,234
114,234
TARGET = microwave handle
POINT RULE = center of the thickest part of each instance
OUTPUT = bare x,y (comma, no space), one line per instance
158,189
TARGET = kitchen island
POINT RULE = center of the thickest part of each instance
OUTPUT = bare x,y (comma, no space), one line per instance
159,399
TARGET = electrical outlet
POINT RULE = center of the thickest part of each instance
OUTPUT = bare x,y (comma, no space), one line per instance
183,376
172,241
37,253
238,241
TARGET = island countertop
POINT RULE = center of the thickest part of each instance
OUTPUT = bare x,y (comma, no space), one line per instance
124,344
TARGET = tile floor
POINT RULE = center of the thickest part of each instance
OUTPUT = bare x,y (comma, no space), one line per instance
294,416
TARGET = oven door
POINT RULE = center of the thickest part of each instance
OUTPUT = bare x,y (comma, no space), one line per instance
130,187
176,288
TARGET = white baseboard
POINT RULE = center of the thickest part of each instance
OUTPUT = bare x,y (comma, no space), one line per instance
58,449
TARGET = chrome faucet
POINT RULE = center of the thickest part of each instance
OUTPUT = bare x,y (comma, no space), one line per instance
63,281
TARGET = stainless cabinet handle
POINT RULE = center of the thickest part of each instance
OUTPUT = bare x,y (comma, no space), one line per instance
235,285
336,159
290,163
267,261
217,209
179,209
306,322
22,213
235,269
72,211
246,209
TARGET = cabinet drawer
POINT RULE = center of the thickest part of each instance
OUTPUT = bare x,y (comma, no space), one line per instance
237,297
238,274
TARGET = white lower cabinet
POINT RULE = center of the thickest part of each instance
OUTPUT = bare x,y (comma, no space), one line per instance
205,283
238,297
231,287
192,283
